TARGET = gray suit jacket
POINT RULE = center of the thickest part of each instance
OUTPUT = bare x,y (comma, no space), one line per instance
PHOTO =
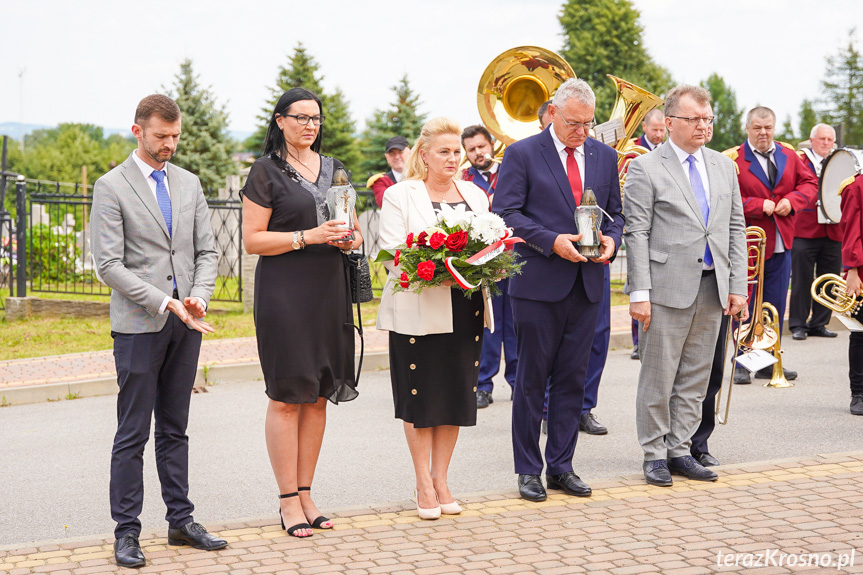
134,254
665,232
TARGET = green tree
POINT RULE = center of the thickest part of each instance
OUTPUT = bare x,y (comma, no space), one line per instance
605,37
787,133
728,123
301,71
401,118
808,118
843,91
205,146
339,141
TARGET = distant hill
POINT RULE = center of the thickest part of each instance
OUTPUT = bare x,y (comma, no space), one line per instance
15,130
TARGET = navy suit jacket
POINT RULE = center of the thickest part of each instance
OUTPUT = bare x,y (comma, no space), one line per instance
534,197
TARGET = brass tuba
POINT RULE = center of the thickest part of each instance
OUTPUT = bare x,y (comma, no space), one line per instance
513,87
829,291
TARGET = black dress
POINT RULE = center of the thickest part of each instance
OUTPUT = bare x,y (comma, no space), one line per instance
434,376
302,310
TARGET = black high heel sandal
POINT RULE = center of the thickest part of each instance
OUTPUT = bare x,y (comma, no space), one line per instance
293,529
317,523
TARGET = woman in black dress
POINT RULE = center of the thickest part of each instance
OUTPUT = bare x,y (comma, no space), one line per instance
302,303
435,336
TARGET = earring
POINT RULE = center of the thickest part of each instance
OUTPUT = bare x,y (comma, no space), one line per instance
426,166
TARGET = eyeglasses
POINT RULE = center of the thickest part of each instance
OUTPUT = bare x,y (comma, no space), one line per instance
695,120
302,119
586,126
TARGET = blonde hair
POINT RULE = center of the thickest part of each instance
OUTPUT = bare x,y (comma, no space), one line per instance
415,169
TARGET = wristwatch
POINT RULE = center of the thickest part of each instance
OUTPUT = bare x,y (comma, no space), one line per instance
295,244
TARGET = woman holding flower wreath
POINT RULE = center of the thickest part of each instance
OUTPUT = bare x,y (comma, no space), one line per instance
435,332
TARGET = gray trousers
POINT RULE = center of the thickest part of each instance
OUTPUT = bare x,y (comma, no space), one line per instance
676,355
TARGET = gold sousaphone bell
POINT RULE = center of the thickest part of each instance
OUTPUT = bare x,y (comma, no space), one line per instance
513,87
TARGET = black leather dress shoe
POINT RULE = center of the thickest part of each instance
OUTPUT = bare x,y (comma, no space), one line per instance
767,373
857,405
798,333
741,375
821,331
195,535
530,488
127,552
656,472
483,399
635,354
590,425
706,460
688,467
569,483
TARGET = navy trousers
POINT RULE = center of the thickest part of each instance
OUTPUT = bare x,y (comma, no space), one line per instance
504,335
155,373
708,406
554,341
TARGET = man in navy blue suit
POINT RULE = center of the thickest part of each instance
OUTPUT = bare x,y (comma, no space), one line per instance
555,301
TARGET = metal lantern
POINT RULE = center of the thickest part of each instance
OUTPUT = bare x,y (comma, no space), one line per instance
588,219
341,200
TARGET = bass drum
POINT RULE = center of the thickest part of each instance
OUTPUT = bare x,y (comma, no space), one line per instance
842,164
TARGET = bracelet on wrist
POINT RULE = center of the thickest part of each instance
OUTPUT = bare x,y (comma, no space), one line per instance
302,240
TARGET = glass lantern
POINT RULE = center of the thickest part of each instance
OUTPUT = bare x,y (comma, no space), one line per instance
588,219
341,200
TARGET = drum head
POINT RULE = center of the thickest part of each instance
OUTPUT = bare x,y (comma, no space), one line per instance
839,166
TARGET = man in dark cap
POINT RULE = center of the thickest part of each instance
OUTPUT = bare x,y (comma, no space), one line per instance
397,152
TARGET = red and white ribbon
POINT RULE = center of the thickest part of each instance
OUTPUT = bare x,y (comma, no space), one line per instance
506,243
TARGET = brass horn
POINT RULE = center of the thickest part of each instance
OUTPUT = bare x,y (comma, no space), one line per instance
513,87
777,376
829,291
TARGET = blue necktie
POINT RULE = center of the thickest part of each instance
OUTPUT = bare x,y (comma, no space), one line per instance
164,201
163,198
701,196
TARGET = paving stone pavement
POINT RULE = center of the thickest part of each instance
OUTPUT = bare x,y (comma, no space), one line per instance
796,516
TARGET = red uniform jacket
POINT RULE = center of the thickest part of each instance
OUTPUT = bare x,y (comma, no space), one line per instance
379,183
471,174
852,224
793,181
806,223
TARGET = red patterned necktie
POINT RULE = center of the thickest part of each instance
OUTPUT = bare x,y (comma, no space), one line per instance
574,176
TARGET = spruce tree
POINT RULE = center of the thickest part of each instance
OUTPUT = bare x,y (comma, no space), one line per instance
808,118
843,91
339,141
205,147
728,118
401,118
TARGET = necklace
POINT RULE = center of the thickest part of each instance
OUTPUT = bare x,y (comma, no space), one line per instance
442,197
300,161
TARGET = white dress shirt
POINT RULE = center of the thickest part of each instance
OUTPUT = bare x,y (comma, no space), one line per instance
578,154
396,175
682,156
780,245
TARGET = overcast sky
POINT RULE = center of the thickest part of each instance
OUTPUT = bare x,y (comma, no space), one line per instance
92,61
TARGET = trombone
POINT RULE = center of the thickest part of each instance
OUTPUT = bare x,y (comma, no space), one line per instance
755,334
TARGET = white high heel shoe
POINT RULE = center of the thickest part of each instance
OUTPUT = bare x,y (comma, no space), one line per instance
433,513
450,508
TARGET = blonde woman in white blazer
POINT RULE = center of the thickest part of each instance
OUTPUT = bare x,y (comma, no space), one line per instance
436,336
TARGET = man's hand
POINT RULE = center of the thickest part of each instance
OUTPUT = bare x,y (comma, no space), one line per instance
783,208
607,250
737,305
640,311
564,248
769,206
195,307
853,284
187,318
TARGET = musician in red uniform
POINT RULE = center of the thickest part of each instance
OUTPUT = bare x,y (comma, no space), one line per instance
852,259
479,148
817,248
396,152
775,186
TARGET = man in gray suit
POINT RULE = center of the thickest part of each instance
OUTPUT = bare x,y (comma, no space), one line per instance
153,245
686,266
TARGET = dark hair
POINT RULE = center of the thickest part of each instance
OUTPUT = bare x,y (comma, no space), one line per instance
542,110
275,140
476,130
156,105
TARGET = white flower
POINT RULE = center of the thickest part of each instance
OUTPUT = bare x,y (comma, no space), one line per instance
487,228
454,216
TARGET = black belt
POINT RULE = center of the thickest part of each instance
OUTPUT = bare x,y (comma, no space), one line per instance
705,273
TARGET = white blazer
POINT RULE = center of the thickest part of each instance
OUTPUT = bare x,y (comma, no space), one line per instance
407,208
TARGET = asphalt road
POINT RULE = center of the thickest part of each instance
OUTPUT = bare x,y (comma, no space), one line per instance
54,457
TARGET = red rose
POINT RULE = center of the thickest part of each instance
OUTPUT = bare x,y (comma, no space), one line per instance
436,240
456,241
421,239
396,260
404,280
426,270
410,240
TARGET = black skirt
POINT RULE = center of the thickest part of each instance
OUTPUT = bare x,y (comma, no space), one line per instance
434,376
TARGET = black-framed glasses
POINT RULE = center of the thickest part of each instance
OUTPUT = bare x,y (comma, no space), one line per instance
586,126
302,119
693,121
